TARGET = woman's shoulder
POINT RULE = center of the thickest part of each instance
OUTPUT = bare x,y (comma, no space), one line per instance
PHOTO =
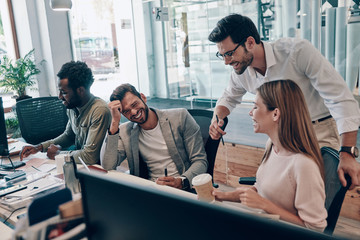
303,160
305,166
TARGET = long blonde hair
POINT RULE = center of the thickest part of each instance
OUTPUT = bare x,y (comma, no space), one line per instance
296,133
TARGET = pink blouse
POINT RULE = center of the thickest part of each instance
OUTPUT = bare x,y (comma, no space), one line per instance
294,183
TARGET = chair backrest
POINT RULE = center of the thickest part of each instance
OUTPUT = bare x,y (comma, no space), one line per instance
203,119
47,206
335,192
41,119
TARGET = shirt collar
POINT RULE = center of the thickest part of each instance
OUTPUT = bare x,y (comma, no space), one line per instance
89,103
269,55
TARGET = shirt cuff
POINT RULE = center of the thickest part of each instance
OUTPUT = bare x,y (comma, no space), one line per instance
114,133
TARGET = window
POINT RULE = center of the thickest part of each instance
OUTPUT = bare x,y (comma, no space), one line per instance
7,45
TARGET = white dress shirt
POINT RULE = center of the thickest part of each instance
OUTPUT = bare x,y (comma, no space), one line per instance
324,89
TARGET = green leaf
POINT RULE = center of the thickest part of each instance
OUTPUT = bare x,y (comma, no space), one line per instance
16,77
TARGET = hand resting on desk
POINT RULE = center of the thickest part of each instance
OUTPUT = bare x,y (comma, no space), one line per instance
28,150
233,196
249,197
170,181
52,151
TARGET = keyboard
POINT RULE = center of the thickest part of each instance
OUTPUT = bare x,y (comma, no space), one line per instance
14,175
16,165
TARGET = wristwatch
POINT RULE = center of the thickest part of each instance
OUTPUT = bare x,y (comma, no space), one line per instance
354,151
185,183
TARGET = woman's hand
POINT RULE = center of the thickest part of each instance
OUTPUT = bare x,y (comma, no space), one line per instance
249,197
229,196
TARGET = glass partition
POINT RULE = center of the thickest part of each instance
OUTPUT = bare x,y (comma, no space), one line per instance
167,55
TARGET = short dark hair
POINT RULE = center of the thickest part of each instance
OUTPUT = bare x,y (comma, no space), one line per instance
77,73
120,91
238,27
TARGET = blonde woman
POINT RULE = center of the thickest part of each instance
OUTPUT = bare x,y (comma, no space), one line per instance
290,179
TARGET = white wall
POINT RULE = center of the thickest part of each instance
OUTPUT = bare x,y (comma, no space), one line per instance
38,26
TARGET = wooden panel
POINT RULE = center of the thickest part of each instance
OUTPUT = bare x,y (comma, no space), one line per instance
351,205
246,155
220,165
241,170
221,153
233,181
219,177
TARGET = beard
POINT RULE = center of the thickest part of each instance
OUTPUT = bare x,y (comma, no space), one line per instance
72,103
244,64
144,118
246,61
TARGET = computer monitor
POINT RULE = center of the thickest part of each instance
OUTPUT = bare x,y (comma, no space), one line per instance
4,148
119,209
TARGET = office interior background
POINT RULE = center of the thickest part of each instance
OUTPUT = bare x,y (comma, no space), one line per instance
161,46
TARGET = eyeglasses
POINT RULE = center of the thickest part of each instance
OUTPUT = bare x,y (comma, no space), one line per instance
227,54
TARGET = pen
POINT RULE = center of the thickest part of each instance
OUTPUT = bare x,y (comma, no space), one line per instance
217,120
165,172
83,163
36,168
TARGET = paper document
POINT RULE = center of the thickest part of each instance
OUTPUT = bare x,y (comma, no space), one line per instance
38,186
47,167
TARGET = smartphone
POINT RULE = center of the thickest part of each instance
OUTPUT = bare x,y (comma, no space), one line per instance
11,189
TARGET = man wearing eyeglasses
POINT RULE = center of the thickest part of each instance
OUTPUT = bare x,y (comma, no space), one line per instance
332,106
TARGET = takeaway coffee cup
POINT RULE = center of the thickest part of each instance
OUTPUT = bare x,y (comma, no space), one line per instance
59,161
204,187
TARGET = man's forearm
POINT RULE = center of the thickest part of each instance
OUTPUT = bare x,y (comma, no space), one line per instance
349,139
221,111
114,127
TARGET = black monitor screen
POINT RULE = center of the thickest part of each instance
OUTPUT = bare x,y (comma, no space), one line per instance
118,209
4,149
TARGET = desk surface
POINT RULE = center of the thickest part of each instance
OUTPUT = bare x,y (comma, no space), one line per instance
37,161
6,231
143,182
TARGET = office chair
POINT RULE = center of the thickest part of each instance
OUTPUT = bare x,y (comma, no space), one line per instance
335,192
203,119
47,205
41,119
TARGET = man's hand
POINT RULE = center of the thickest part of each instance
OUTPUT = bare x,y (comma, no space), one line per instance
27,150
215,130
217,122
349,165
170,181
53,150
115,110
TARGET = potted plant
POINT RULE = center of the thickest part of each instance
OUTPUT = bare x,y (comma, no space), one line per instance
12,127
18,76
